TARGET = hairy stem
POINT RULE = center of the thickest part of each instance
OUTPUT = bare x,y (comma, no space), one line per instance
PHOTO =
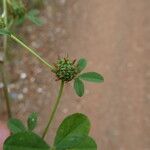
3,62
31,51
54,109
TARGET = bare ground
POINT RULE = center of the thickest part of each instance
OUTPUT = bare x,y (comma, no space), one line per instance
114,37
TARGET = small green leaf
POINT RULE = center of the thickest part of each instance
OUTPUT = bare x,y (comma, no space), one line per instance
20,20
16,126
92,76
82,63
32,15
4,32
79,87
32,121
74,129
25,141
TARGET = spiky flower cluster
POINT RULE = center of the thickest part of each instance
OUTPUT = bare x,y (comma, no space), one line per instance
65,69
17,8
2,23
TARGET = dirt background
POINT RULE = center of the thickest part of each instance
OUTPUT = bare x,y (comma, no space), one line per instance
114,36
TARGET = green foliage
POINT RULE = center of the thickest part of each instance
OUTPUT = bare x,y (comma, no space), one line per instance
65,69
88,76
16,8
37,3
82,63
4,32
87,144
16,126
79,87
92,77
25,141
18,13
32,121
32,15
73,133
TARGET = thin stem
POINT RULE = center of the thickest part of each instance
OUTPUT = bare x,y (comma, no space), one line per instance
10,23
5,41
6,93
31,51
54,109
5,11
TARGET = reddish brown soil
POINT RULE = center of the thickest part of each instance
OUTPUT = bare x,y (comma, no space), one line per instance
114,37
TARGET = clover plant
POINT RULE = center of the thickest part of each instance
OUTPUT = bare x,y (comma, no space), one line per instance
73,132
18,12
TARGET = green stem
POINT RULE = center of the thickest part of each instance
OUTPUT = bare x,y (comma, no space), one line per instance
54,109
5,41
10,24
31,51
6,94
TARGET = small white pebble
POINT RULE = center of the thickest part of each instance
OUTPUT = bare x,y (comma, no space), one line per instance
39,90
20,96
25,90
1,85
23,75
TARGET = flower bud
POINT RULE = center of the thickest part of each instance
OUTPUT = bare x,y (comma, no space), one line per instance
65,69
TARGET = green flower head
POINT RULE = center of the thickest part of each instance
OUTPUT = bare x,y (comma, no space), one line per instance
65,69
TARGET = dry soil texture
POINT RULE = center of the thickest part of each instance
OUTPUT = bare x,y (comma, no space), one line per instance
114,36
